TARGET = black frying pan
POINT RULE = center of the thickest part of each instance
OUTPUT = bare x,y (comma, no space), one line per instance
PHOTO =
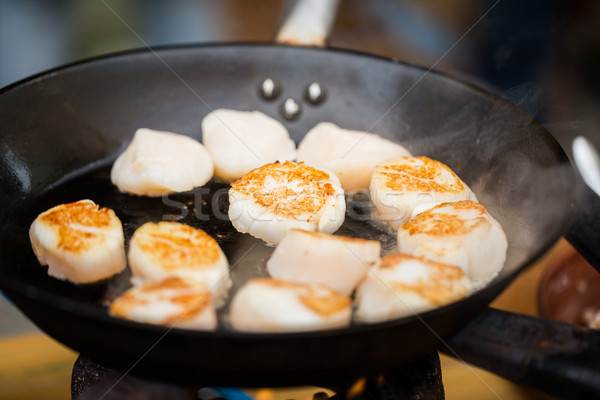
61,130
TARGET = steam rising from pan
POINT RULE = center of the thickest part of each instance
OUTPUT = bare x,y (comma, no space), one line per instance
501,158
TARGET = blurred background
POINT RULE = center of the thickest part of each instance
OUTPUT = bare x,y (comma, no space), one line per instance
541,55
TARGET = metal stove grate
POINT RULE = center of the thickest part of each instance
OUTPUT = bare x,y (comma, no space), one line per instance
420,379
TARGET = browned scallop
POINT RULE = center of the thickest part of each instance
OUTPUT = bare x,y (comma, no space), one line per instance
275,198
80,242
156,163
403,187
166,249
172,302
240,141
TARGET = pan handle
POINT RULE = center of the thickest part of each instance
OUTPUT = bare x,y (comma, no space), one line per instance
555,357
308,23
584,233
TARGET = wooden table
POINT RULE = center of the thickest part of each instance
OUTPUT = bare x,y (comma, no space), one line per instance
34,366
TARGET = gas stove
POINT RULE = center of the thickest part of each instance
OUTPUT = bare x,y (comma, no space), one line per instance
419,379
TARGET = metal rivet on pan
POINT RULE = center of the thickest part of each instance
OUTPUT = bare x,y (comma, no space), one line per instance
270,89
315,93
290,109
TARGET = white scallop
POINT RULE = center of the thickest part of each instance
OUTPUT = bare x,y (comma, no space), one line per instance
275,198
338,262
271,305
351,155
80,250
172,302
171,249
404,187
159,162
460,233
240,141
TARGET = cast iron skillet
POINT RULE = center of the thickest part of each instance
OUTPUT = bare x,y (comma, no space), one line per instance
61,130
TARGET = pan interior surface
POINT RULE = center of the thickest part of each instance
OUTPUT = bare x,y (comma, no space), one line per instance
62,130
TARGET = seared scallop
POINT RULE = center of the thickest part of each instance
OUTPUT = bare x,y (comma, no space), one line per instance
171,249
270,200
272,305
403,187
157,163
406,285
172,302
339,262
350,155
461,233
240,141
79,242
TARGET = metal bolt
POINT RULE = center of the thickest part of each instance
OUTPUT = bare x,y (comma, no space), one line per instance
315,93
290,109
269,89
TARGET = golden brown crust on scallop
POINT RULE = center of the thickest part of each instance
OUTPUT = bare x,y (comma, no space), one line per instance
319,298
434,223
313,184
193,300
71,220
390,260
420,178
437,291
174,245
439,288
325,305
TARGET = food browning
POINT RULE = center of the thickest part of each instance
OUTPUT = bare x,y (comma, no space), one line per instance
79,242
275,198
272,305
461,233
171,249
403,187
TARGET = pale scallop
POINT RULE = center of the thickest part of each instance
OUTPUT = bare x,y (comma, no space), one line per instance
351,155
272,305
171,249
158,162
461,233
275,198
172,302
240,141
403,187
339,262
79,242
405,285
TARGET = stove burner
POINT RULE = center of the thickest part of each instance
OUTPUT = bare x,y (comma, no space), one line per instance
420,379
